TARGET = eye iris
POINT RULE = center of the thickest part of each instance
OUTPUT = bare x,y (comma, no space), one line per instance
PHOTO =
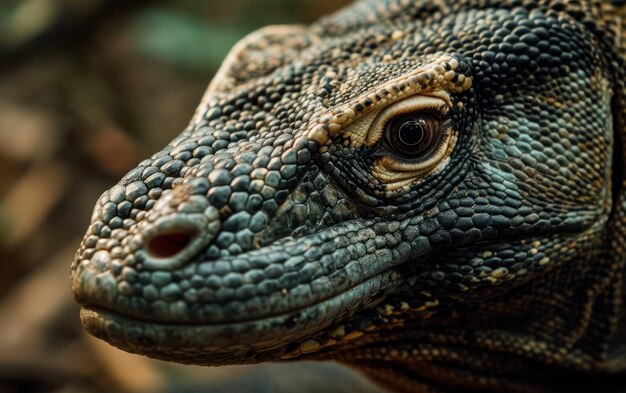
412,135
411,132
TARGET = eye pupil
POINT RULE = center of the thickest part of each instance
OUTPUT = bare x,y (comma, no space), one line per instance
411,132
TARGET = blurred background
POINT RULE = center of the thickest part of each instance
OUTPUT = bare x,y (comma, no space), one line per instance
88,88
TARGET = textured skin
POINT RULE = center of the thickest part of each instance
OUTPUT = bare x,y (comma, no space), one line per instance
498,267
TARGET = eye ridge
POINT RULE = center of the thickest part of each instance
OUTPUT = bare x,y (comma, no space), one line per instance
412,135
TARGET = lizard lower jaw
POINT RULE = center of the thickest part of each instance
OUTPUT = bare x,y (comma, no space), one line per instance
229,343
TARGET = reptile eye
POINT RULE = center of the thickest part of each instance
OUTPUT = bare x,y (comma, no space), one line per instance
409,139
412,135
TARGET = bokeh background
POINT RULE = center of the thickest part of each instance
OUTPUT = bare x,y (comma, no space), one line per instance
87,89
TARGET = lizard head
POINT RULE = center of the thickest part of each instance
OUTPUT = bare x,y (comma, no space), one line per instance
392,172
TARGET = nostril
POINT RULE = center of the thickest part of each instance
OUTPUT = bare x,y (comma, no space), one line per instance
169,244
167,240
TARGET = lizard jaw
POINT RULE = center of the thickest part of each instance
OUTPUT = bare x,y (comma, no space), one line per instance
269,338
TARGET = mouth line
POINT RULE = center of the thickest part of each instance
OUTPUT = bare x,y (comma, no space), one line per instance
99,309
270,333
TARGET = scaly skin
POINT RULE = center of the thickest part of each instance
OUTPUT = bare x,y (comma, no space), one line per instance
284,224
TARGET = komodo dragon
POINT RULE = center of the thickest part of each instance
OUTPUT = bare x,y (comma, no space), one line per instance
430,191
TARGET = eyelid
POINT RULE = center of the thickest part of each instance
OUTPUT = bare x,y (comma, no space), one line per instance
438,102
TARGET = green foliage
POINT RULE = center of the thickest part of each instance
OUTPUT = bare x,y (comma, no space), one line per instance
189,42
